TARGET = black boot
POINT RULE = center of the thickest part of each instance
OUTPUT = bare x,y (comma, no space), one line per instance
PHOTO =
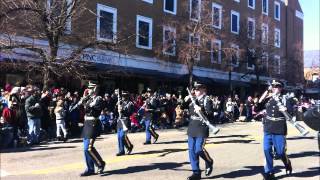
269,176
155,139
209,169
194,177
130,149
101,168
86,173
120,154
288,168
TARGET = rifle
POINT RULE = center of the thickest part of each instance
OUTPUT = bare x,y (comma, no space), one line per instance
117,91
288,117
203,118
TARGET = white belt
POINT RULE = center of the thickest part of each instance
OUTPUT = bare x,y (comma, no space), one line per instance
89,118
275,119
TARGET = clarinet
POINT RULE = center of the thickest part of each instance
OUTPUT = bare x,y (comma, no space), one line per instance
125,128
289,118
203,118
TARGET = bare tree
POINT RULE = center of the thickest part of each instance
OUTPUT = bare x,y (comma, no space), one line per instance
51,21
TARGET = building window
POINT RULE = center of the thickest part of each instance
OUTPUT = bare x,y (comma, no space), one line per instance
276,67
215,53
250,58
265,6
170,6
148,1
195,9
106,23
235,55
277,38
264,33
169,40
194,41
216,15
252,4
277,11
251,28
237,0
144,32
235,17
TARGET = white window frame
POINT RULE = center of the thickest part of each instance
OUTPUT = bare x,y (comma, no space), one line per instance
267,33
198,36
213,42
267,8
253,66
147,20
174,12
276,3
238,21
254,28
215,5
171,29
148,1
254,4
277,30
190,11
101,7
237,55
278,70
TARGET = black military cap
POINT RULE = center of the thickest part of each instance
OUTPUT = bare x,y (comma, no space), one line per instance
198,85
276,83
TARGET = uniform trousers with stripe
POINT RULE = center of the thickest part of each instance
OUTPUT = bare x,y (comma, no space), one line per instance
92,157
196,150
149,131
277,142
123,140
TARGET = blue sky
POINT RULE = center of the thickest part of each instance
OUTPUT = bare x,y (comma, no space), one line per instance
311,9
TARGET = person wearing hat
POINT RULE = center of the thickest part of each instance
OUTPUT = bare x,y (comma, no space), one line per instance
149,108
275,130
93,105
198,131
125,109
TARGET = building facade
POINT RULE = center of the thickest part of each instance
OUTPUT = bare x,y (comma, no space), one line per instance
150,56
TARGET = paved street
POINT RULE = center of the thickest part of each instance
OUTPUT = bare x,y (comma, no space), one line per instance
237,151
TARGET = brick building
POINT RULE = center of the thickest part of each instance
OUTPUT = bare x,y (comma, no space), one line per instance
272,24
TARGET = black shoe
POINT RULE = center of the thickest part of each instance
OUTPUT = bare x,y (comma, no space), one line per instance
209,169
146,143
130,150
288,168
86,173
269,176
194,177
120,154
101,168
155,139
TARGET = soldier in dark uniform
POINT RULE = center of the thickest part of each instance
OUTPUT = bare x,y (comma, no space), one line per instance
149,109
126,108
198,132
91,129
275,130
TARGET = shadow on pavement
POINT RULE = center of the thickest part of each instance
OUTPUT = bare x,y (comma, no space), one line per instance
154,166
240,136
34,148
246,171
300,138
163,151
304,154
233,141
172,142
312,172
